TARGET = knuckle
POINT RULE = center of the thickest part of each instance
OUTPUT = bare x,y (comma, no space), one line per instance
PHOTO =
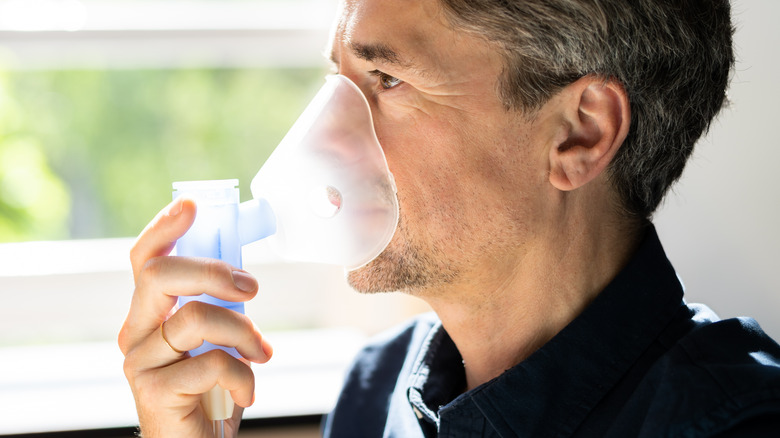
123,340
135,254
193,314
250,333
152,268
148,388
215,271
130,369
219,360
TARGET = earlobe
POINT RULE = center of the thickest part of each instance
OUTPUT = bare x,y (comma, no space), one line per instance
596,118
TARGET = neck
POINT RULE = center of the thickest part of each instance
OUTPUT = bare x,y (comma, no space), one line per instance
500,317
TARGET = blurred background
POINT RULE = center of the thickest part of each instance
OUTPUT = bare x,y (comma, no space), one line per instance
95,123
104,103
720,225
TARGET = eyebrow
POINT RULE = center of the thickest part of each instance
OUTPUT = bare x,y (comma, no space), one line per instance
376,52
383,54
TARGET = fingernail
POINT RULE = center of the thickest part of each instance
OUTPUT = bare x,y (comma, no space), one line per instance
244,281
175,209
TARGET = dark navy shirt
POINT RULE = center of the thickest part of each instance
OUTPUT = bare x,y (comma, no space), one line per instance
638,362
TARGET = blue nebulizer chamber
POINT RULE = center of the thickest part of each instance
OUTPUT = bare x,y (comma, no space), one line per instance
221,225
325,195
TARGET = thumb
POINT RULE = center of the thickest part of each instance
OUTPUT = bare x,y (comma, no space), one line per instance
160,235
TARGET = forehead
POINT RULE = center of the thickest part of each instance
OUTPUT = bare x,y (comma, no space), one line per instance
417,17
412,40
417,30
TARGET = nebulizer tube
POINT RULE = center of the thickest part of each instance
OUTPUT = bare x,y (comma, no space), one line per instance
325,195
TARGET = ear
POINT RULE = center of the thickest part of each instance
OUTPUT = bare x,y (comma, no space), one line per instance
596,118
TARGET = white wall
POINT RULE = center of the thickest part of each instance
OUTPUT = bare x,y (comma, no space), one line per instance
720,227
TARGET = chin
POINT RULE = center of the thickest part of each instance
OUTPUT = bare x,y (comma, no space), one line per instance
401,267
397,271
369,278
385,272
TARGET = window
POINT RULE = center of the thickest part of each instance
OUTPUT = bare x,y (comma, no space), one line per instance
103,104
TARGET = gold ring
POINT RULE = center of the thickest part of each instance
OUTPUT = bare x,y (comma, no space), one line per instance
162,332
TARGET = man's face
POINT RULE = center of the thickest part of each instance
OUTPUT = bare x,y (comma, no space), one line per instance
468,177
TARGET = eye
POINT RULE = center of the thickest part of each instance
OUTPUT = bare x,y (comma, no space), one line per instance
385,80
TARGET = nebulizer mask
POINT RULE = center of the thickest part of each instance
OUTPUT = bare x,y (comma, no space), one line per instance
325,195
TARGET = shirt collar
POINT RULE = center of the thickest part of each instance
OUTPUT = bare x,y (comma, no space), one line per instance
437,376
568,376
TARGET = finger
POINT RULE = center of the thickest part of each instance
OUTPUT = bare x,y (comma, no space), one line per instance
163,279
160,235
190,276
169,399
197,322
188,328
180,385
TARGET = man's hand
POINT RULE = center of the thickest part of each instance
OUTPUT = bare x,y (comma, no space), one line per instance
167,385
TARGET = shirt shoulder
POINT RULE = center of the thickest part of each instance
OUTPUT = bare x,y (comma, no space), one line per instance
722,375
383,355
363,404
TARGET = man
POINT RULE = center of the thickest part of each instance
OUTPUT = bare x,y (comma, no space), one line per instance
530,142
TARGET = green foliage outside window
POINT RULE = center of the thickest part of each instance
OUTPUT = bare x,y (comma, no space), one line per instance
87,154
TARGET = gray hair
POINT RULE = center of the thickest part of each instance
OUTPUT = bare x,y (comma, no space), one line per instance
673,57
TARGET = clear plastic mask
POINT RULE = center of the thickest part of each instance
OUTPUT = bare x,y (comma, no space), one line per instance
328,183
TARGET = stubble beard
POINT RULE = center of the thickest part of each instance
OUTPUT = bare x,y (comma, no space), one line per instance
403,266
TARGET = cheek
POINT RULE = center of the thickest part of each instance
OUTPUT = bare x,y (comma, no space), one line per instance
438,170
453,164
409,135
